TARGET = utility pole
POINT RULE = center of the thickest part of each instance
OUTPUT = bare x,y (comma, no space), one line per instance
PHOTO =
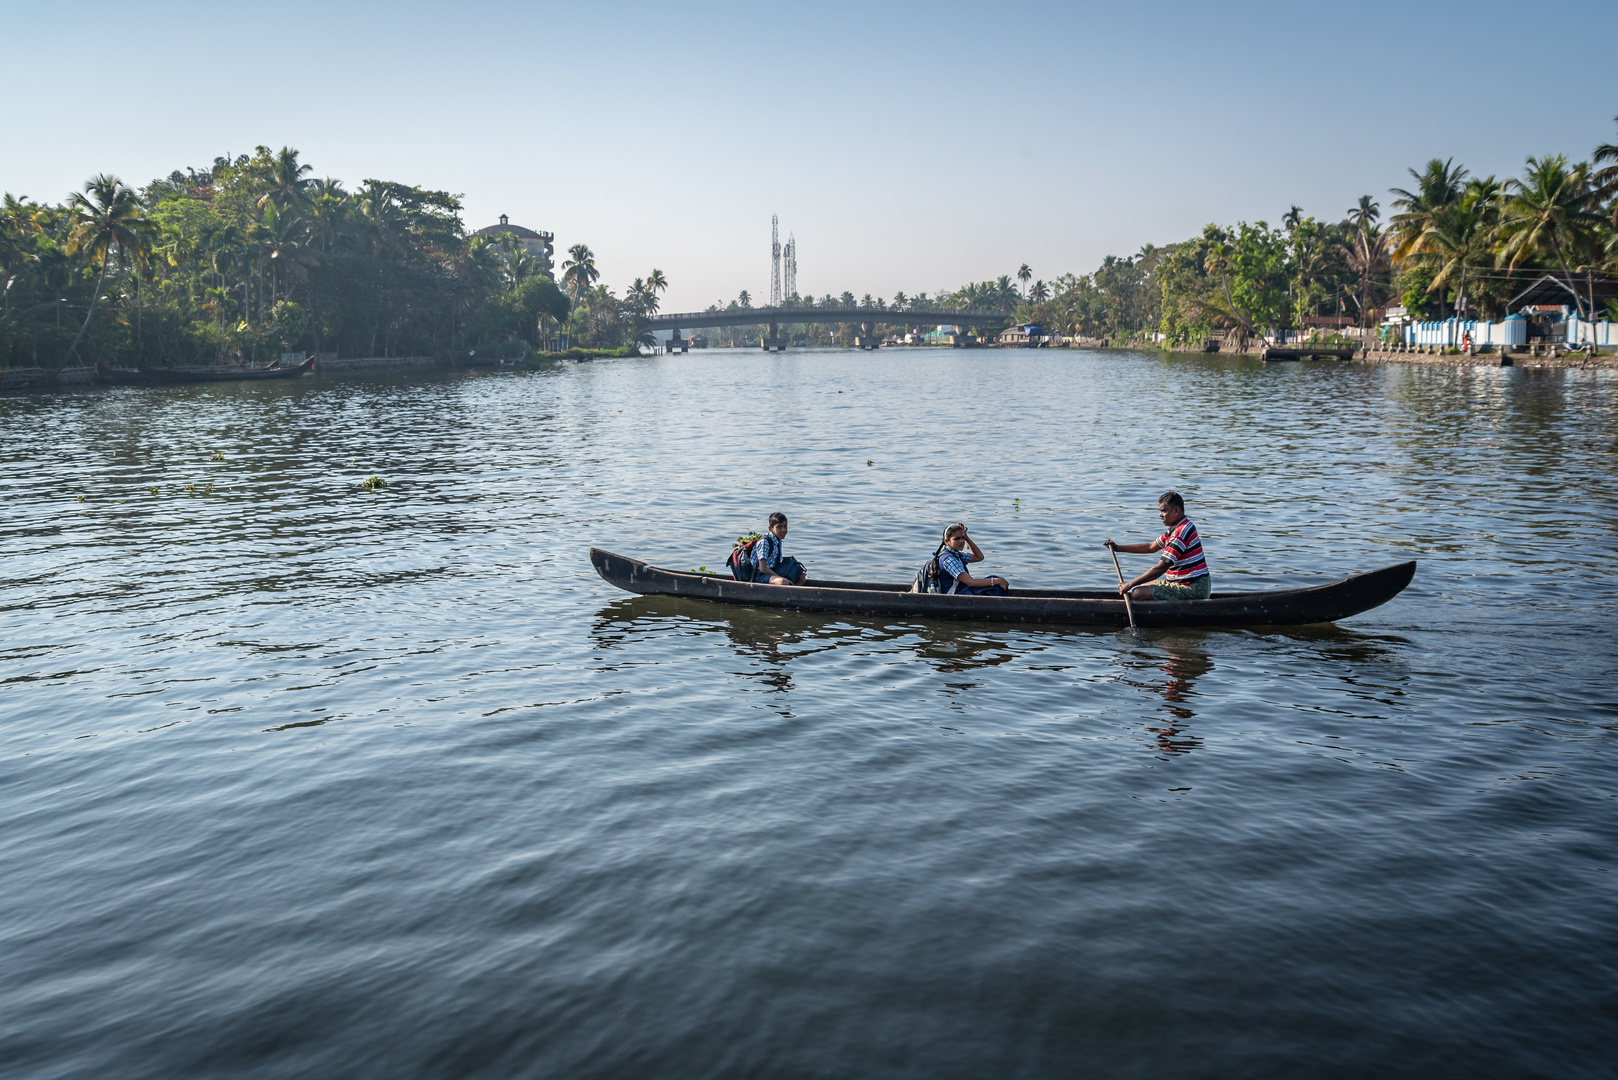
775,261
791,253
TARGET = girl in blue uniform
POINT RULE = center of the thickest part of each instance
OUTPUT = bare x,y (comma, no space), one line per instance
953,560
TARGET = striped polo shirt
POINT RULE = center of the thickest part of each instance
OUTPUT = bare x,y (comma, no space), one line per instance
1182,550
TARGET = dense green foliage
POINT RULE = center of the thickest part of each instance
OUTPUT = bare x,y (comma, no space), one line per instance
251,257
1453,245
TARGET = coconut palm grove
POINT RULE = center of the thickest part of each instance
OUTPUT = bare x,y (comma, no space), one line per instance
253,256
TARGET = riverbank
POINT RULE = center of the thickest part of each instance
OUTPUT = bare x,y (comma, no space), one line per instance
33,379
1574,360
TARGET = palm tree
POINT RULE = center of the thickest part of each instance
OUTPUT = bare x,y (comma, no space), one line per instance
745,299
1367,250
1605,179
1039,293
1024,274
287,184
579,271
649,289
381,223
1437,186
106,217
1003,294
283,232
1453,239
656,282
900,301
1367,212
1552,211
635,295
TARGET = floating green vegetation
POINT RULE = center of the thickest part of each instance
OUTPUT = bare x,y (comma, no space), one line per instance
869,463
748,538
373,483
217,455
154,489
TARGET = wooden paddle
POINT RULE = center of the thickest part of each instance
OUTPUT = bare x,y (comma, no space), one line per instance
1128,607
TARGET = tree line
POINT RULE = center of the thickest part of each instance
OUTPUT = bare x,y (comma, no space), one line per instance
1453,245
252,256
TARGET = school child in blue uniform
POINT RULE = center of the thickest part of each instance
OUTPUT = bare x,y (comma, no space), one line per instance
771,565
952,563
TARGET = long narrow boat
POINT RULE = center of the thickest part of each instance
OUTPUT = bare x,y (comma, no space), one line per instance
208,374
1276,607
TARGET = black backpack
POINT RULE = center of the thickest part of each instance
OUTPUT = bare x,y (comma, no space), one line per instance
740,560
931,579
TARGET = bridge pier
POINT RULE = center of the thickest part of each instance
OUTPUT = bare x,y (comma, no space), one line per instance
678,344
866,338
772,340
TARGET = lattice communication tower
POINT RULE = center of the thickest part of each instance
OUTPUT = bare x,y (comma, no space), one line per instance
775,261
790,270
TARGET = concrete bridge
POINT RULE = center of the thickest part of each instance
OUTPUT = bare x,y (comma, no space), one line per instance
867,318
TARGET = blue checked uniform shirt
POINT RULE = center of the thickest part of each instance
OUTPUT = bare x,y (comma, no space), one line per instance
767,553
952,563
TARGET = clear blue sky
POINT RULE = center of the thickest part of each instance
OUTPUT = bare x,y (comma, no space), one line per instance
908,146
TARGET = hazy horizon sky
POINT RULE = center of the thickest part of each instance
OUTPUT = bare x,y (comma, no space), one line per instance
907,146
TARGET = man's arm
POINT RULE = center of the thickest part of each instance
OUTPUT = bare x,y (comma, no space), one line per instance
1137,549
1158,570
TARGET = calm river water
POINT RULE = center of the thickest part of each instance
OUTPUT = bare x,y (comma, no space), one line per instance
300,780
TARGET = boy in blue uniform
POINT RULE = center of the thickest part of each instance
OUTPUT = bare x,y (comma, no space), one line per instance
771,565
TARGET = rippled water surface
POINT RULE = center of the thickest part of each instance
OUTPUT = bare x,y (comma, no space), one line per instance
301,780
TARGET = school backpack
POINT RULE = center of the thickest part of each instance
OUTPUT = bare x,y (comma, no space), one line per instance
931,579
741,557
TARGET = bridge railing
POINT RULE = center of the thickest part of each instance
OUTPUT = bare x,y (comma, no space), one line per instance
748,316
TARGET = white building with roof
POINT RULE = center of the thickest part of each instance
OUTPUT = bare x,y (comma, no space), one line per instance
541,245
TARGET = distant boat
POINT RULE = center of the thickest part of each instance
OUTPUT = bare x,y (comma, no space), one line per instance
144,375
1276,607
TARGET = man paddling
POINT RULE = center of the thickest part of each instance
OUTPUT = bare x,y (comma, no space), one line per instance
1182,566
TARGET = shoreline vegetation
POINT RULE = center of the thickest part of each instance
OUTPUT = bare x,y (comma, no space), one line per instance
251,259
1453,244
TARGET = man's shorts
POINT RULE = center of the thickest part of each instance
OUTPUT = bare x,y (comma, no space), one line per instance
1197,588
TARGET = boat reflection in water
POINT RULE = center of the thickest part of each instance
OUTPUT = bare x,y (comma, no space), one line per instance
776,637
1166,666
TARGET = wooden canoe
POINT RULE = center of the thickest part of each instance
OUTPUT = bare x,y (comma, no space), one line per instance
225,373
1275,607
